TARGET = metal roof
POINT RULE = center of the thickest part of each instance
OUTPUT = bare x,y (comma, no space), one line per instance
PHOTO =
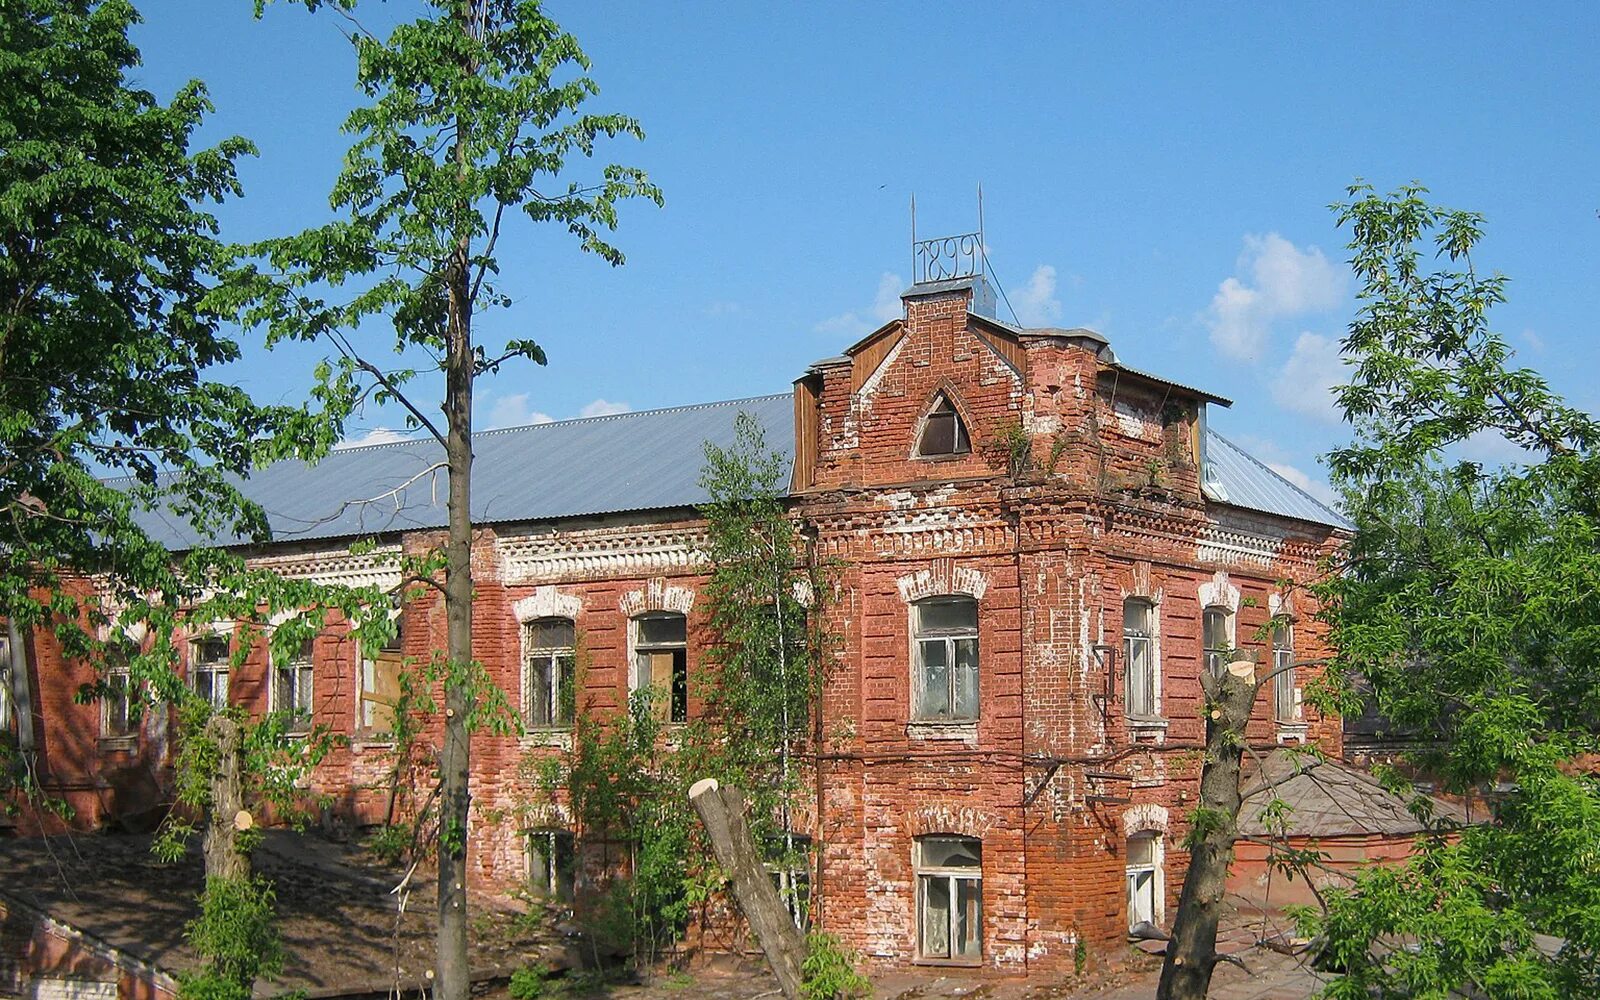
1235,477
646,460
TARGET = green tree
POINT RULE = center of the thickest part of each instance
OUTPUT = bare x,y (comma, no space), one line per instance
475,113
1470,603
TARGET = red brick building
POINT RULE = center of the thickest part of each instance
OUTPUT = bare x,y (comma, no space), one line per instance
1041,549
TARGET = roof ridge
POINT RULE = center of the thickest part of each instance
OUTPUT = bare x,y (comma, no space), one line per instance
1273,473
574,420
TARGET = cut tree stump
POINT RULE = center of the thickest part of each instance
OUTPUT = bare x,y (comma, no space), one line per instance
722,812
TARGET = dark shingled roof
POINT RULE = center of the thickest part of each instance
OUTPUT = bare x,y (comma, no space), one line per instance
1328,799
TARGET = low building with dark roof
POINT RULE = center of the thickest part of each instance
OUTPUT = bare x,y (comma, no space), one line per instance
1032,812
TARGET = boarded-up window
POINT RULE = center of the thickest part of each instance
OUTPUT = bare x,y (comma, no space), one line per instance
661,665
380,687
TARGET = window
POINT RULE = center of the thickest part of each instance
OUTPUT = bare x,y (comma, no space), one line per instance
1283,706
949,897
1141,868
552,863
380,686
661,663
789,867
943,433
1138,657
5,684
208,669
547,673
291,688
1214,626
947,658
119,705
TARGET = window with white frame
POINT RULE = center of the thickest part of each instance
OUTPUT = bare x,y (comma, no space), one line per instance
661,663
208,669
548,654
946,659
1144,883
949,897
789,867
6,710
552,863
292,686
1214,630
1138,657
119,703
379,691
1283,706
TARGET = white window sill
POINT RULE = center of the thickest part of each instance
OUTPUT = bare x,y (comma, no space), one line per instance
559,738
965,731
1146,722
1293,731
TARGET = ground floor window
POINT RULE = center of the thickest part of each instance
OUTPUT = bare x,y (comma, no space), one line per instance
949,897
119,717
1143,885
789,866
291,688
380,688
552,863
208,669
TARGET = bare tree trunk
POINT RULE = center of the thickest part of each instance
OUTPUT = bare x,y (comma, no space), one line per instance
722,812
1191,953
227,814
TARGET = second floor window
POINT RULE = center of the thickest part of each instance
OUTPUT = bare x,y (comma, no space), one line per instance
1138,657
208,669
291,688
1214,629
947,659
548,672
661,663
1283,706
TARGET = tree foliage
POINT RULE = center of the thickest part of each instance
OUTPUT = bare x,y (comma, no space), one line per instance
1470,603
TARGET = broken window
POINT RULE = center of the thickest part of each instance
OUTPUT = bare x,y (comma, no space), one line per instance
547,671
947,658
291,689
949,897
119,717
1283,706
552,864
380,687
1142,881
208,669
661,665
943,433
1138,657
1214,626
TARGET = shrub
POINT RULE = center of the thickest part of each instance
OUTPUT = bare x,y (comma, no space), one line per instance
829,971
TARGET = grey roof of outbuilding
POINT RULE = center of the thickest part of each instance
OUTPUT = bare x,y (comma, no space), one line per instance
649,460
1236,477
1328,799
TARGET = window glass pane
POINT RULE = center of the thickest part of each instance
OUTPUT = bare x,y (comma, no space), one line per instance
1141,897
213,649
939,434
1216,628
942,615
1135,618
968,930
552,633
966,694
117,705
302,694
566,694
935,916
1141,687
935,693
949,852
661,630
539,692
1141,851
1280,637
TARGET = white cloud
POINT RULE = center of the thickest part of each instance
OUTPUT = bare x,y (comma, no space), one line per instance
1037,304
723,308
1490,447
1305,385
1533,340
603,408
859,322
1280,280
510,410
378,435
1316,487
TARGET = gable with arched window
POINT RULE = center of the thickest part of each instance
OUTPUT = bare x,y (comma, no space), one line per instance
943,432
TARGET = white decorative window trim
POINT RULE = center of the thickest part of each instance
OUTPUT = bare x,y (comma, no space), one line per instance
962,732
1144,817
942,579
547,602
378,568
1219,593
656,596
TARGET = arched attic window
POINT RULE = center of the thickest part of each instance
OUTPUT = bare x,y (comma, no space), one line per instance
943,433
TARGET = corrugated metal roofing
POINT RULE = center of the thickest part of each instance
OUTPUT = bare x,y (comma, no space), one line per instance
649,460
1233,476
597,465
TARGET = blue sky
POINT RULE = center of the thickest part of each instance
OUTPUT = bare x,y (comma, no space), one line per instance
1159,174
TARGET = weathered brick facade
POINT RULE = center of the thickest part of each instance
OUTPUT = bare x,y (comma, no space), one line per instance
1101,502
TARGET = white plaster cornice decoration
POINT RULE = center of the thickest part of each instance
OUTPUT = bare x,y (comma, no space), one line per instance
378,568
657,596
1219,593
941,578
1143,818
547,602
600,552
